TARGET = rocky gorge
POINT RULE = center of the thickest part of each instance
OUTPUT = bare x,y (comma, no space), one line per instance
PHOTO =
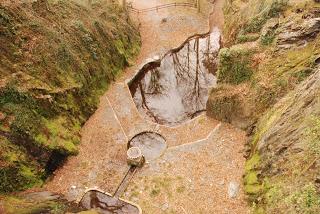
269,86
230,119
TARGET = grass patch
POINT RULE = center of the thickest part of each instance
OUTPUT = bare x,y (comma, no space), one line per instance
242,38
268,38
313,135
306,200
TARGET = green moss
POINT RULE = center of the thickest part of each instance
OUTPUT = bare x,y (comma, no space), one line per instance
19,172
249,16
61,135
234,65
264,124
255,24
251,178
252,185
268,10
253,189
302,74
275,184
268,38
284,72
15,178
274,193
57,87
252,163
313,136
242,38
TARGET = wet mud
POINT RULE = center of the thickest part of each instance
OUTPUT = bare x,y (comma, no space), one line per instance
175,89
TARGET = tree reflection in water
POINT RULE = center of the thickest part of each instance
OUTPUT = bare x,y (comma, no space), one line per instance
176,89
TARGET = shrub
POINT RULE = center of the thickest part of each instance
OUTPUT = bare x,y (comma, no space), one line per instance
234,65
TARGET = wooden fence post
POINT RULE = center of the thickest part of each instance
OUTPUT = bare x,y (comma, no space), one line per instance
124,5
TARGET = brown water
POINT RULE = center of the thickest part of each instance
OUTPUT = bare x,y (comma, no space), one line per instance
151,144
106,204
176,88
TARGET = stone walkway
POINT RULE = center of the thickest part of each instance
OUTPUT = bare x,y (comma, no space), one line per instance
203,155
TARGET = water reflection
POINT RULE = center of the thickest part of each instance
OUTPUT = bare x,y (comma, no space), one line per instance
176,89
151,144
106,204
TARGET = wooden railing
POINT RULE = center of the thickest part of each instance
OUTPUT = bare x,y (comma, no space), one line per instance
156,8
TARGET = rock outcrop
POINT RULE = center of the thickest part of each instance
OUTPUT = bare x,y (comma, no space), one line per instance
285,53
278,104
294,34
285,158
57,58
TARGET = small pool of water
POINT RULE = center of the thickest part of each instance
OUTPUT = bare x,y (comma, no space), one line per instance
176,88
151,144
106,204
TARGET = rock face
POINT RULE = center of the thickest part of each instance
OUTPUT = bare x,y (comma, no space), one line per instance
253,76
286,151
279,101
57,58
295,34
283,136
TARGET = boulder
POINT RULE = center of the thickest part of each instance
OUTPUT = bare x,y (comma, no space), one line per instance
233,189
231,104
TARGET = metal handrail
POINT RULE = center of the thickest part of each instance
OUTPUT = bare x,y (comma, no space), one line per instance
176,4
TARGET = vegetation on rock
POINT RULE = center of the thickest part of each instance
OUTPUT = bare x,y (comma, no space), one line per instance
279,104
56,60
285,153
264,67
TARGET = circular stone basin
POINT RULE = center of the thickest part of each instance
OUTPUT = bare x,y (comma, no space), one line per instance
151,144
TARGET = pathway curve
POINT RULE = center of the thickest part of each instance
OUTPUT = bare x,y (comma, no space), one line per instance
203,155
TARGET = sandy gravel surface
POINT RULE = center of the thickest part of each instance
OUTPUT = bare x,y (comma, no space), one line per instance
194,177
202,157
